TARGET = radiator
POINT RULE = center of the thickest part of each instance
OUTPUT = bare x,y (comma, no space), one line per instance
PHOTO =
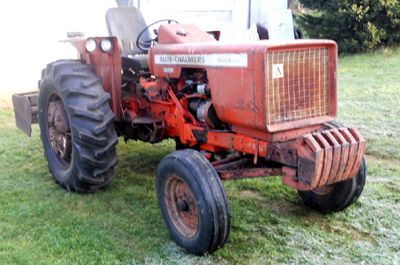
297,85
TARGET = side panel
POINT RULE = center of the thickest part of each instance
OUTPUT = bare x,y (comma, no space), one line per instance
232,93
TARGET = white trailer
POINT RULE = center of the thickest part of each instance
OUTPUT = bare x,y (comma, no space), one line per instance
235,19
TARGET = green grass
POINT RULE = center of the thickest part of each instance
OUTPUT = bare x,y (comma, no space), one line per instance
41,223
369,94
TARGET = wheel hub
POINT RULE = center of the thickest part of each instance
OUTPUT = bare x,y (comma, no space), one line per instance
181,206
59,130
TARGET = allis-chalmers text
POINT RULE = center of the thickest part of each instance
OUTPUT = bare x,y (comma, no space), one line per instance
219,59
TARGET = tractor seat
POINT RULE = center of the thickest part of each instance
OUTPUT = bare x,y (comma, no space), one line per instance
125,23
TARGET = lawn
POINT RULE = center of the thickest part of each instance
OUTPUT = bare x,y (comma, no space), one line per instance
41,223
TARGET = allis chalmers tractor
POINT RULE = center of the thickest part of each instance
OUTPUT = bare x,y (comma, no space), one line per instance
241,110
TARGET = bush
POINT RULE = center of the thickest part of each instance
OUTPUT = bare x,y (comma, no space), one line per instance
356,25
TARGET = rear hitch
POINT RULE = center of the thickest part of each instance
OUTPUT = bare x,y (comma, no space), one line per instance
25,110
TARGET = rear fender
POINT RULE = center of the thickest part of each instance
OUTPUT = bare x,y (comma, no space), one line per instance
107,65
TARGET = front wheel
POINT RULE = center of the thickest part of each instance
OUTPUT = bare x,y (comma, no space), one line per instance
336,197
193,202
76,125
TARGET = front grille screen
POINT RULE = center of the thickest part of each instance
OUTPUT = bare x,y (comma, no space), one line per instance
297,85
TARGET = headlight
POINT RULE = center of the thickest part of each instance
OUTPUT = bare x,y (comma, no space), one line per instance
106,45
91,45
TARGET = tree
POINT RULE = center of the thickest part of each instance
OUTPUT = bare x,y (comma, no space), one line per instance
356,25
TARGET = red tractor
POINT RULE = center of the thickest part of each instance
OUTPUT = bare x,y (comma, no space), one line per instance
240,110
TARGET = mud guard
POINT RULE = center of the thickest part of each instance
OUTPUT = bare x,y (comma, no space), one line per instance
25,110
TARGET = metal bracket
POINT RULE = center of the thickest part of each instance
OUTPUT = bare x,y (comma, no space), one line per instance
282,154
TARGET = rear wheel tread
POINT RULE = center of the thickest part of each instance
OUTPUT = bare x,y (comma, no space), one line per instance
91,139
76,92
87,114
101,152
93,150
92,82
101,128
103,100
111,164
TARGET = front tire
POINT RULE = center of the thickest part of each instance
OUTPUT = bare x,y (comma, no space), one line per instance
76,125
193,202
339,196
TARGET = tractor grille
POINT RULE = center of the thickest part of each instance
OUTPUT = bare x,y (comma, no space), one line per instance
297,85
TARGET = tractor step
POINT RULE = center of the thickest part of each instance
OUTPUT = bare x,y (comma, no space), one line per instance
26,110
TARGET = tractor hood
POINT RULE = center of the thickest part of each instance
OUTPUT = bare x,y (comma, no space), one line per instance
266,85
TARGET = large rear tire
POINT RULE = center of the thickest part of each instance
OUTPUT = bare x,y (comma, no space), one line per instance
76,125
193,202
339,196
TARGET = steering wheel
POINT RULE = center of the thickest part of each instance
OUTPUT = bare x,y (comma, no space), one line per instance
145,45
